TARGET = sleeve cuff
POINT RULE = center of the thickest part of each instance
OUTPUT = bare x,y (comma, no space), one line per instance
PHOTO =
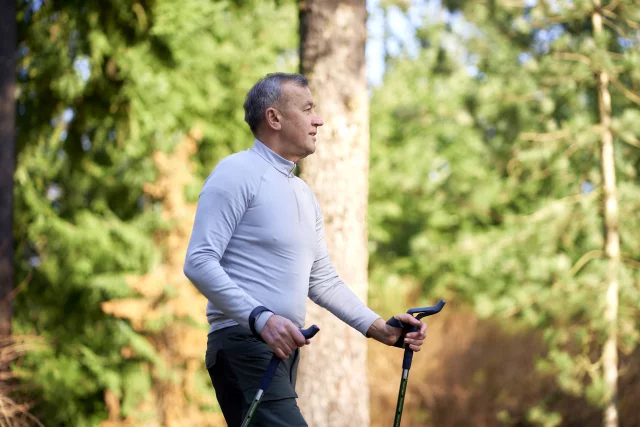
367,321
262,320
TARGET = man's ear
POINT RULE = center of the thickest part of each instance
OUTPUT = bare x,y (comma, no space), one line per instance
273,118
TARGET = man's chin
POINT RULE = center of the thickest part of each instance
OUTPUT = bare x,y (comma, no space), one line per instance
307,150
311,148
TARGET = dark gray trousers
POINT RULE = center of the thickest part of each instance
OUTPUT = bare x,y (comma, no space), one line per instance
236,362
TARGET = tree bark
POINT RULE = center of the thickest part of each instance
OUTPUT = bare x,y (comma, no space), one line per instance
7,160
332,384
612,240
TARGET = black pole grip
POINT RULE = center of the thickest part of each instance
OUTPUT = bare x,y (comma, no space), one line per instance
408,357
407,328
427,311
310,332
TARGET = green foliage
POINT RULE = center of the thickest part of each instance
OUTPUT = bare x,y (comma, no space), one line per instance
101,86
137,384
486,175
540,416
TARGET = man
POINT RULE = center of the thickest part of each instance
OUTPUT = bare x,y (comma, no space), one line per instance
257,251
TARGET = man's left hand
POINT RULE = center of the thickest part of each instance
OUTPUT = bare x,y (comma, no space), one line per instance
388,335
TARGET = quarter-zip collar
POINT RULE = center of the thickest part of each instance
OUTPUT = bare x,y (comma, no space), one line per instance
283,165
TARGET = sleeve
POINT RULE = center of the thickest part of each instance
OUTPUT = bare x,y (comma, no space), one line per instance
221,207
328,290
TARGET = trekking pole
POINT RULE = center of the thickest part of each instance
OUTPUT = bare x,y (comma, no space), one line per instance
408,353
268,376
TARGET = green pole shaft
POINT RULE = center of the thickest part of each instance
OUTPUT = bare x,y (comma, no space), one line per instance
252,409
403,389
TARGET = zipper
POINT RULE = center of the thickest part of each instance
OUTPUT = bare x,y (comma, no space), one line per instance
295,195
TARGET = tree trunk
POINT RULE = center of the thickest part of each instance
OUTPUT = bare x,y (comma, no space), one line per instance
7,160
333,386
612,239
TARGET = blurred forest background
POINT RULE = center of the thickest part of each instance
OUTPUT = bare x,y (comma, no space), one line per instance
487,184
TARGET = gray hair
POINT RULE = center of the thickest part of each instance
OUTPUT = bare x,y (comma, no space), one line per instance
265,94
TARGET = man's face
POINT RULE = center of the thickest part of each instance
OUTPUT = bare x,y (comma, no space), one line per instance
299,121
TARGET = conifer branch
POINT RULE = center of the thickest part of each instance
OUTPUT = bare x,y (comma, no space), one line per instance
536,216
584,259
615,28
550,20
551,136
544,136
633,24
615,55
514,3
631,141
611,6
571,56
631,96
632,262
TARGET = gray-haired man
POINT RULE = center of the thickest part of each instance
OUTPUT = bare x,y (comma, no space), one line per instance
257,251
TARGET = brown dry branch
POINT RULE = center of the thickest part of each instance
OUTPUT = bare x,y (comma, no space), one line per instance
461,377
13,413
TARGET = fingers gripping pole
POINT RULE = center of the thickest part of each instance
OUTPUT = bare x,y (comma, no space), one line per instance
275,361
265,382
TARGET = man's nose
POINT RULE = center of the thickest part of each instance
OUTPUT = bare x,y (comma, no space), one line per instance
318,122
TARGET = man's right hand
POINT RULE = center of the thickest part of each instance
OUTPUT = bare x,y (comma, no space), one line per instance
282,336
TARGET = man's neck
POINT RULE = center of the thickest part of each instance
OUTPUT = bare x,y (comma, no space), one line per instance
277,146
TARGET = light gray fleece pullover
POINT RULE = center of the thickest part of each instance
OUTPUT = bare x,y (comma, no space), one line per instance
258,239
